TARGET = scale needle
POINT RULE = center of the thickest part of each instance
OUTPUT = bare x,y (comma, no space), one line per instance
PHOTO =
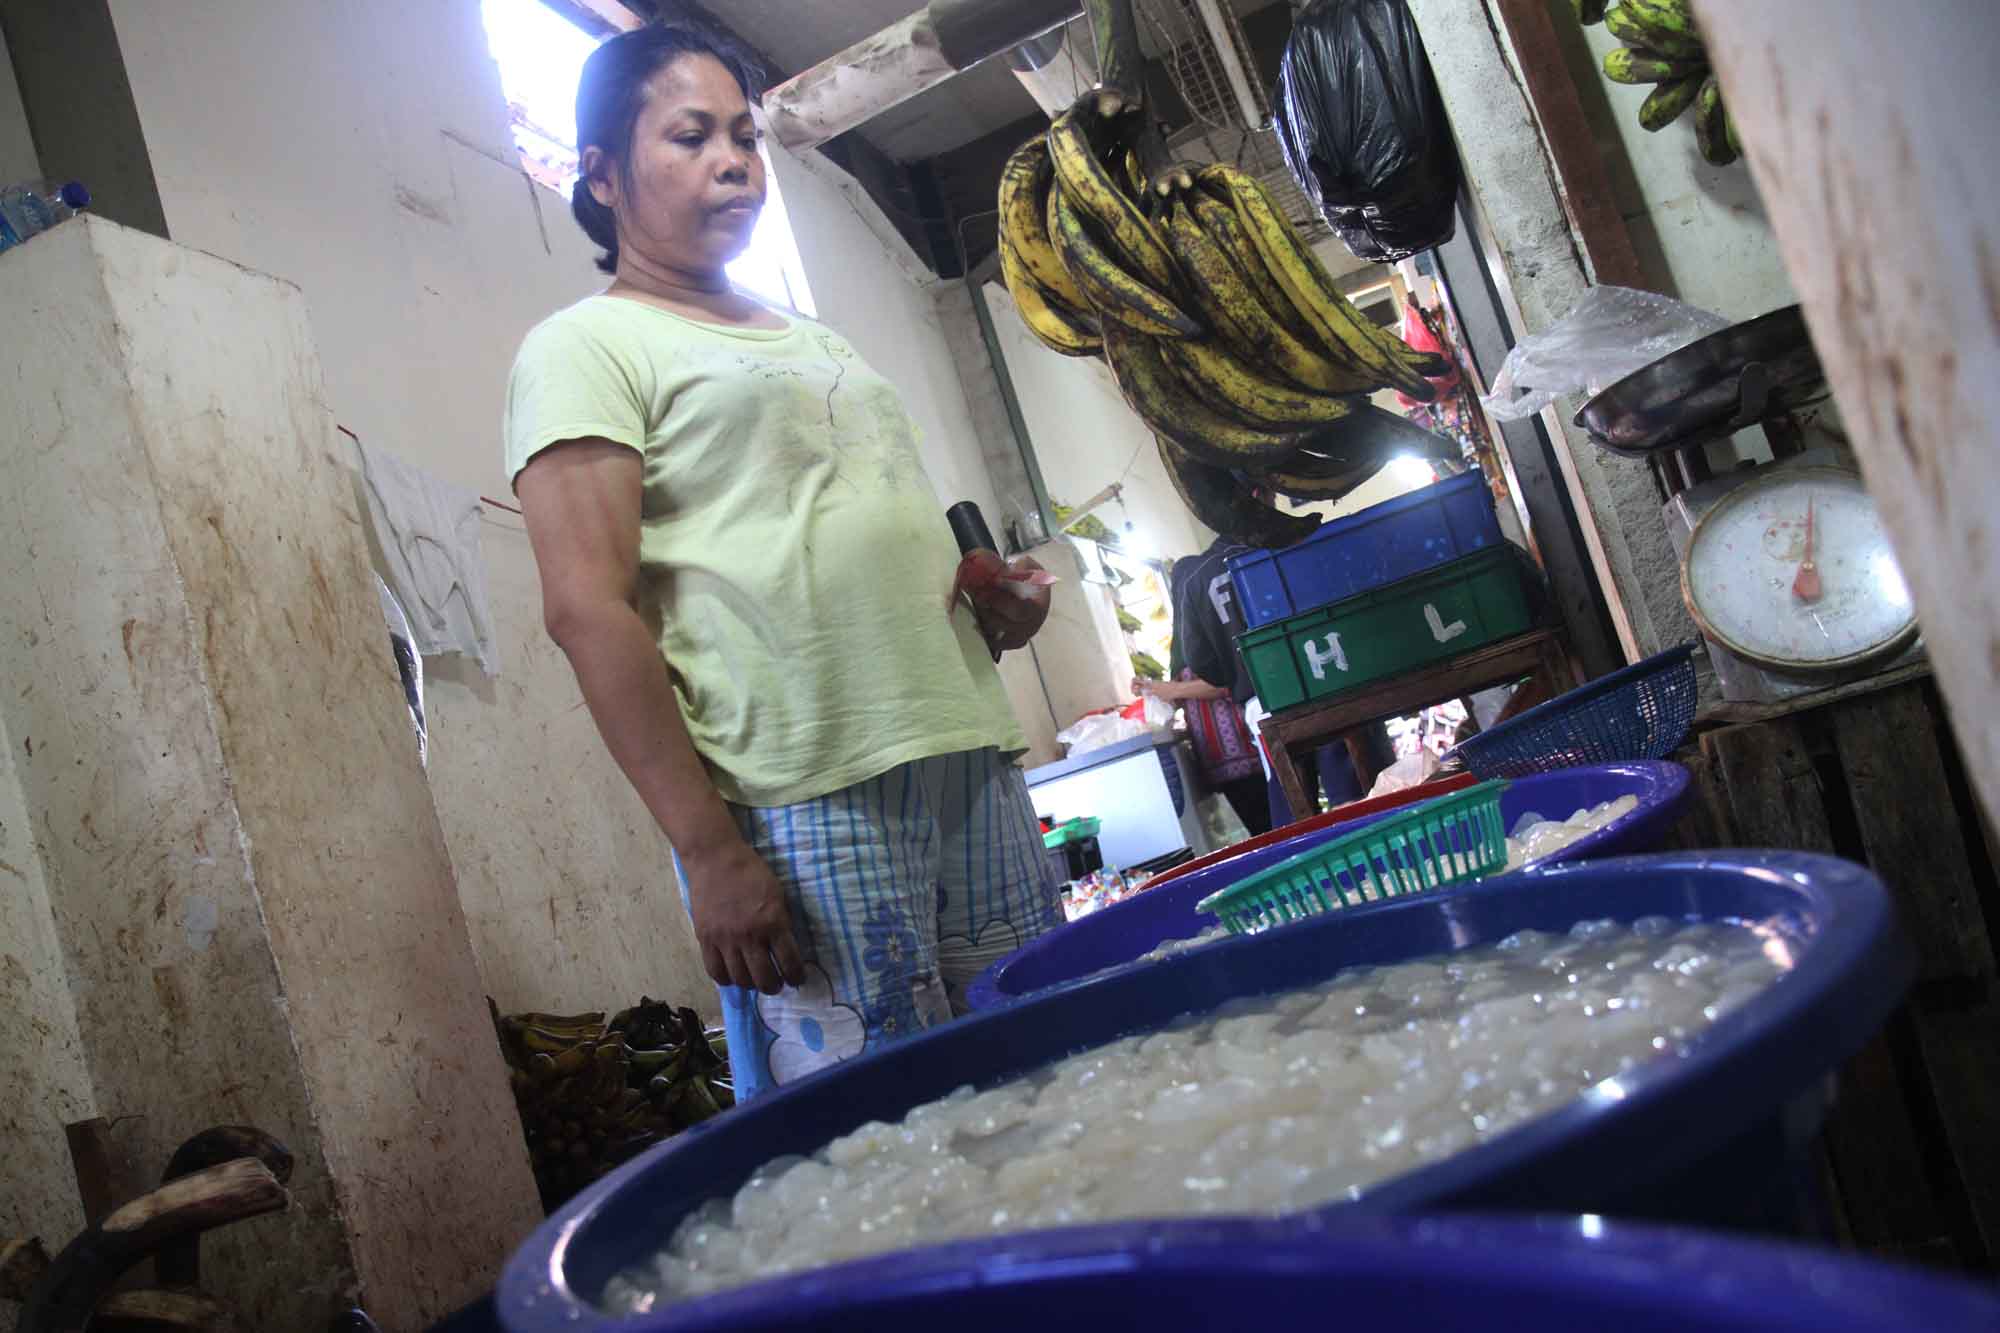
1805,586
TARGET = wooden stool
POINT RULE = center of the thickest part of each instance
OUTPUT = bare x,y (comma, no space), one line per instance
1300,730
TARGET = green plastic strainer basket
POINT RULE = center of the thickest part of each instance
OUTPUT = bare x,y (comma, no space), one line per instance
1447,841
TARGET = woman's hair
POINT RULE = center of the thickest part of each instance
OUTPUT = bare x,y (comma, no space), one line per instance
609,97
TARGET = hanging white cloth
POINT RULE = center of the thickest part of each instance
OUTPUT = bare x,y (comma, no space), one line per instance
428,530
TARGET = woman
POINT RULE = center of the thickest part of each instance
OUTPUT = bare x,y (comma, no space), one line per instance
748,571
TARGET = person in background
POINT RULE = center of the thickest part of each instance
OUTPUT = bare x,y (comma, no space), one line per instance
1208,673
749,572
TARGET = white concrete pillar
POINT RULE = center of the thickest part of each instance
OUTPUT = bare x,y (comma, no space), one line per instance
1870,130
247,884
1540,271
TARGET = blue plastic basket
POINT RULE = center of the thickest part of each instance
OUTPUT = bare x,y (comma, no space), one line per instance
1125,932
1430,846
1642,711
1720,1136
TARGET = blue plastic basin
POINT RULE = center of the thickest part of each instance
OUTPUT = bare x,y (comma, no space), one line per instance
1134,928
1706,1137
1386,1275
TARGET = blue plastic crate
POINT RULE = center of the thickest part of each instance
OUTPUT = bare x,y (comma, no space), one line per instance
1442,522
1642,711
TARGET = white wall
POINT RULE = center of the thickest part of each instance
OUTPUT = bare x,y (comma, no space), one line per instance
878,295
1085,438
1700,228
362,151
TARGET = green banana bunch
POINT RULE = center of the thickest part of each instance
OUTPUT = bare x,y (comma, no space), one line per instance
1664,27
1631,64
1714,131
1668,101
1663,47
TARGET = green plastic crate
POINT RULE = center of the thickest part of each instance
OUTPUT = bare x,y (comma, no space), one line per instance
1435,615
1447,841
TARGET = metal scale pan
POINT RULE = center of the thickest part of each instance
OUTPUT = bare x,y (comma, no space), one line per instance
1757,372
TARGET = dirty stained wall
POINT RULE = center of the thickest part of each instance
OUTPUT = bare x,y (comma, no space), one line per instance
48,1084
1878,168
424,254
246,876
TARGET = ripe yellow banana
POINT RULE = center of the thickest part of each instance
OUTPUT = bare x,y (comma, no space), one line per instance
1117,296
1343,330
1183,418
1092,193
1223,501
1024,193
1232,304
1250,395
1055,327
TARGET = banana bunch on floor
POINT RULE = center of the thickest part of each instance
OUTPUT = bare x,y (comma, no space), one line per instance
592,1094
1663,47
1223,331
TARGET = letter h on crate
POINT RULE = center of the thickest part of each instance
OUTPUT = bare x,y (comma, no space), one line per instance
1319,661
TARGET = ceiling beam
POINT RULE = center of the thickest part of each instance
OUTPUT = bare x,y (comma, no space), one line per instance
887,68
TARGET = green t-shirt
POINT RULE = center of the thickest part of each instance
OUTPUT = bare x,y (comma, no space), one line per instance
792,553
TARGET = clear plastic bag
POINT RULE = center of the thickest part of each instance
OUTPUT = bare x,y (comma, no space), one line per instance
1098,730
1609,333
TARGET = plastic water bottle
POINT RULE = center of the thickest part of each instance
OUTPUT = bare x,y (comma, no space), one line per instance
34,207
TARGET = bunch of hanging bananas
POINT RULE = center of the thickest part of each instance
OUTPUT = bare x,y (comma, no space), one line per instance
1662,46
1221,328
592,1094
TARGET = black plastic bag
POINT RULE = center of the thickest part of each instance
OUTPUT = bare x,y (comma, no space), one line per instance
1364,130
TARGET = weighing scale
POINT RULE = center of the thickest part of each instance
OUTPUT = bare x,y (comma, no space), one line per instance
1785,566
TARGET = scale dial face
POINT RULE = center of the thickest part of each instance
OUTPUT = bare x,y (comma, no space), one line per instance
1741,574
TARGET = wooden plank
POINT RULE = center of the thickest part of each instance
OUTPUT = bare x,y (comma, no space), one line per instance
1730,713
1494,664
1285,768
1889,752
1293,734
1706,823
1961,1052
1587,195
1768,781
1871,1140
